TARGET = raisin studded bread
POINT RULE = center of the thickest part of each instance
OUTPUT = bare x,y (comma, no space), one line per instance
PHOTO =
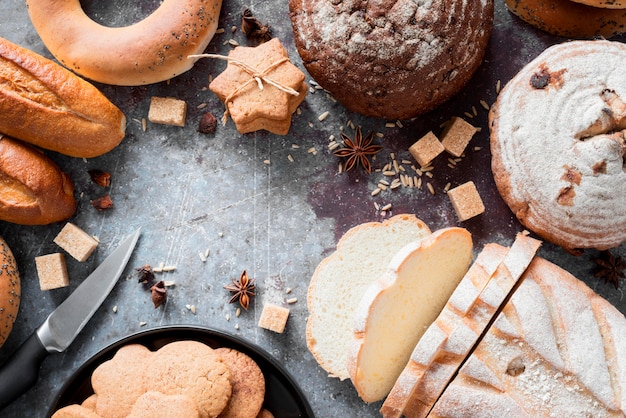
340,280
447,342
556,350
398,307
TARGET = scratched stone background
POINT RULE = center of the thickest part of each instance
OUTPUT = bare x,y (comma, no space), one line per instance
191,193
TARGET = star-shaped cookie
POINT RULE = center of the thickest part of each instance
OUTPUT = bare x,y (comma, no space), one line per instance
260,87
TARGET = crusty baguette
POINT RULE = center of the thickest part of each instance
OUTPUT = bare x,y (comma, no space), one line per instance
556,350
340,280
465,317
34,189
396,309
9,290
46,105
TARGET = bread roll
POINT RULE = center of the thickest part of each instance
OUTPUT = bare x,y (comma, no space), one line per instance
362,254
558,144
34,190
46,105
151,50
397,308
9,290
569,19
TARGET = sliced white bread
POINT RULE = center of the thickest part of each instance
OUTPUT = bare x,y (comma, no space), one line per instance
439,354
397,308
556,350
340,280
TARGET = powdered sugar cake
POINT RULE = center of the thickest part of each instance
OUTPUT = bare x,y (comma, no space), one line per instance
391,58
557,140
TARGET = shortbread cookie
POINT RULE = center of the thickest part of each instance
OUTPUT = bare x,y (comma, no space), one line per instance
154,404
90,402
260,87
248,384
190,368
118,382
569,19
388,58
557,140
75,411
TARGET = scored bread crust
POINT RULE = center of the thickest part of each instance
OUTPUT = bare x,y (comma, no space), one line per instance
48,106
445,345
398,307
569,19
556,349
340,280
557,142
34,189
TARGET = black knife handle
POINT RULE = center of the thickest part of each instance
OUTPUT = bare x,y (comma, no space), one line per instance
21,370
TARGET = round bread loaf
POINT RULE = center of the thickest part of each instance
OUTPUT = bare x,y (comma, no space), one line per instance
569,19
9,290
605,4
557,141
391,59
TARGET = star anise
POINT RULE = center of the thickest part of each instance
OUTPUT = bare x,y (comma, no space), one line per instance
146,275
253,27
611,268
358,150
159,294
243,290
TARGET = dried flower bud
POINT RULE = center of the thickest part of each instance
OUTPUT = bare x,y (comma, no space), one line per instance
208,124
159,294
253,28
101,178
146,275
102,202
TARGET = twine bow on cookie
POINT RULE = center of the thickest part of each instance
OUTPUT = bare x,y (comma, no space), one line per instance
256,76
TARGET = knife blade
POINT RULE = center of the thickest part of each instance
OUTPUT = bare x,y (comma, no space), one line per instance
21,371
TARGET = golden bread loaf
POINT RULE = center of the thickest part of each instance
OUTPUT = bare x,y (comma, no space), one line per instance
9,290
34,189
46,105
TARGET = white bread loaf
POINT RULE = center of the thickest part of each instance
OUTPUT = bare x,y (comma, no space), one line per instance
446,344
397,309
340,280
557,349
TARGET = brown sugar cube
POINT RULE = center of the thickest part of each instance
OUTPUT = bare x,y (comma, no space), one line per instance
426,149
76,242
466,201
167,111
457,135
52,271
274,317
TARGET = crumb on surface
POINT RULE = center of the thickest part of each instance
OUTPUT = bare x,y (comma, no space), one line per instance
52,271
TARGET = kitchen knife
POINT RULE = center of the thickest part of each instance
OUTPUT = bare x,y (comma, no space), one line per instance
21,370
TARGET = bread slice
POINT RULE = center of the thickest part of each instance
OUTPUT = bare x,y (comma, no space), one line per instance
556,349
397,308
340,280
467,314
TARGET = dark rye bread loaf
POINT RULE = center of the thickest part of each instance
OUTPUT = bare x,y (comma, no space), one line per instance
393,59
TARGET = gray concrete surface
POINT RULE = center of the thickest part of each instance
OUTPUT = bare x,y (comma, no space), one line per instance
191,193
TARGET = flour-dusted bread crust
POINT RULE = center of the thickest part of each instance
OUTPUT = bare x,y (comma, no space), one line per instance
557,140
393,59
569,19
340,280
556,350
448,341
397,308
